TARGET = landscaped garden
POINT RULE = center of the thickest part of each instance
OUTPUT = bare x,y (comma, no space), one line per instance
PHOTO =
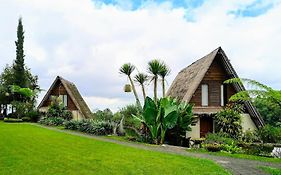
29,149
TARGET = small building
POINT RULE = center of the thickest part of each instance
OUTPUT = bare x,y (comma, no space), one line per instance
70,97
201,84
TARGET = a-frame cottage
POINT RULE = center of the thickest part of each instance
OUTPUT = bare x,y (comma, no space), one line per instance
201,84
70,97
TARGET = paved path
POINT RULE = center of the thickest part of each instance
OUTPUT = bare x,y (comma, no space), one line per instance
235,165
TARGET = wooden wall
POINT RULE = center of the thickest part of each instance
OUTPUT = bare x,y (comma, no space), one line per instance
60,90
214,78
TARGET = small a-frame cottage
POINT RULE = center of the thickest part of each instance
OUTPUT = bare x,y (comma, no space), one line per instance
70,96
201,84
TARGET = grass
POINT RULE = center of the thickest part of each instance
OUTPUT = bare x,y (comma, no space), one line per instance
241,156
270,170
29,149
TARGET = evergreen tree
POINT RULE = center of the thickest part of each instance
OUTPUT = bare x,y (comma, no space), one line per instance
18,66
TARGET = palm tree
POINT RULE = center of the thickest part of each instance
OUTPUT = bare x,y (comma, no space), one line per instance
127,69
164,71
141,78
154,67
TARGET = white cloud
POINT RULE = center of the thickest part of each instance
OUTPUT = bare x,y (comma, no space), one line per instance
87,44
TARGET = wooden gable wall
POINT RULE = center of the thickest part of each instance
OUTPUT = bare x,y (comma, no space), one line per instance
57,90
214,78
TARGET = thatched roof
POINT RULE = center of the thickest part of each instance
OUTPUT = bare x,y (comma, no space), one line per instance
73,93
188,80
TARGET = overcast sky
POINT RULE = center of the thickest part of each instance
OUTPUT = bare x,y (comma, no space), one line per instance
87,41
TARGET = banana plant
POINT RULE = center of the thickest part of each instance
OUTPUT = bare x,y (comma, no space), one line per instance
167,116
150,119
159,118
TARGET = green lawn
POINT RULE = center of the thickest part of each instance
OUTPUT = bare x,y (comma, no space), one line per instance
241,156
272,171
29,149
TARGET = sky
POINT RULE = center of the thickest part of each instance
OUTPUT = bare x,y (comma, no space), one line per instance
86,41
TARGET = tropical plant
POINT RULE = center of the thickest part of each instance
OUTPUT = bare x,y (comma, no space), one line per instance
159,118
57,110
141,78
164,71
154,68
257,89
167,115
177,135
228,120
127,69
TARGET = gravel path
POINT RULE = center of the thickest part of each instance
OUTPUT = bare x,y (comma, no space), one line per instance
235,165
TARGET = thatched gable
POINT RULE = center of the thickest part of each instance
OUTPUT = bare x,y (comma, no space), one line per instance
73,93
188,80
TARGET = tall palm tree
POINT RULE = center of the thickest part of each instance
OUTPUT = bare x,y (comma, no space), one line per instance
127,69
154,67
164,71
141,78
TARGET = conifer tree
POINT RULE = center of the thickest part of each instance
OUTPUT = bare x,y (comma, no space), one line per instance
19,66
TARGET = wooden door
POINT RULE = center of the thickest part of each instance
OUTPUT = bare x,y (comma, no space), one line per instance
206,125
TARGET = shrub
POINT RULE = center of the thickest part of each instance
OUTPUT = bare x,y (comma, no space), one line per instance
57,110
21,108
33,115
26,119
269,134
102,128
228,120
72,125
226,143
250,137
213,147
259,149
105,115
52,121
219,138
90,126
11,115
12,120
231,148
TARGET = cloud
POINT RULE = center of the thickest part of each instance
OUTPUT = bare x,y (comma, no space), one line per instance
86,42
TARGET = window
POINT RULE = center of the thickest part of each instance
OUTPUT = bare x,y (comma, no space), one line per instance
63,99
222,95
205,95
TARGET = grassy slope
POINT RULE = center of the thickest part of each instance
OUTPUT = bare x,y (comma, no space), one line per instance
27,149
241,156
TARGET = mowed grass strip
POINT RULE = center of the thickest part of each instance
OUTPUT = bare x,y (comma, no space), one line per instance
28,149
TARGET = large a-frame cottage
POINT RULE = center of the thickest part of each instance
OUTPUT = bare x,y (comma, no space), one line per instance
201,84
70,97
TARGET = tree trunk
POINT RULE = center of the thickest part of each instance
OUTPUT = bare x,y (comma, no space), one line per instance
143,92
155,89
134,91
163,87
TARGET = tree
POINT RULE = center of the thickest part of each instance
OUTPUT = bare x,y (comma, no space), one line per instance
266,99
127,69
154,67
19,66
141,78
164,71
270,111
